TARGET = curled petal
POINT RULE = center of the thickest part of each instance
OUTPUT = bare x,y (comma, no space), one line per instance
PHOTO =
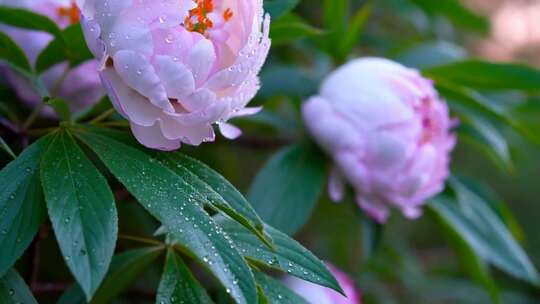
151,137
139,74
229,131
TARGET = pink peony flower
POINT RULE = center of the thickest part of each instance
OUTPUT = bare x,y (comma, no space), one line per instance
80,86
388,133
174,68
316,294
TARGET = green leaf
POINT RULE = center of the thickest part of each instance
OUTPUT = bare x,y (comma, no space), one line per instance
60,108
213,188
178,284
165,195
336,19
470,261
12,54
469,103
29,20
82,211
297,83
289,256
482,134
13,290
352,35
480,74
372,233
22,209
286,190
335,16
291,27
455,12
261,297
477,223
4,146
73,295
432,53
278,8
276,292
206,185
71,48
125,269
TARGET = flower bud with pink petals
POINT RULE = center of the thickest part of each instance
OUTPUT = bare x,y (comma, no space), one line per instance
175,68
316,294
80,86
388,133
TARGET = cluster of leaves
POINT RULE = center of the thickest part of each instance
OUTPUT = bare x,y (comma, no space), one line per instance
209,220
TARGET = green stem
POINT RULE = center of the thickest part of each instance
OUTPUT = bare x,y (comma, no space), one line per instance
33,116
102,116
140,240
114,124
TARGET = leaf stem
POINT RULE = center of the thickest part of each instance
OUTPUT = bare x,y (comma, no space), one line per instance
114,124
140,240
38,132
33,116
102,116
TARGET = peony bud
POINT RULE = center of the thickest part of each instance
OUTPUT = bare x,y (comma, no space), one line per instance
174,68
388,133
80,86
316,294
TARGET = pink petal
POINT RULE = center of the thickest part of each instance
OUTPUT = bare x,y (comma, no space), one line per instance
229,131
201,60
151,137
140,75
137,108
336,186
175,77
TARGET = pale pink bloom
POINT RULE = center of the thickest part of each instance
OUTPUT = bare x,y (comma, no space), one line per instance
316,294
80,86
174,68
388,133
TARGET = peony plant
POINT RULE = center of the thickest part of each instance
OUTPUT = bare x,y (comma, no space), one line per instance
105,191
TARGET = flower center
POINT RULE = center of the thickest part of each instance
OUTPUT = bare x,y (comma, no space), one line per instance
199,19
71,12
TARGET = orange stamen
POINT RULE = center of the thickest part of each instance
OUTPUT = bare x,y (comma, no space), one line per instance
198,21
228,14
71,12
